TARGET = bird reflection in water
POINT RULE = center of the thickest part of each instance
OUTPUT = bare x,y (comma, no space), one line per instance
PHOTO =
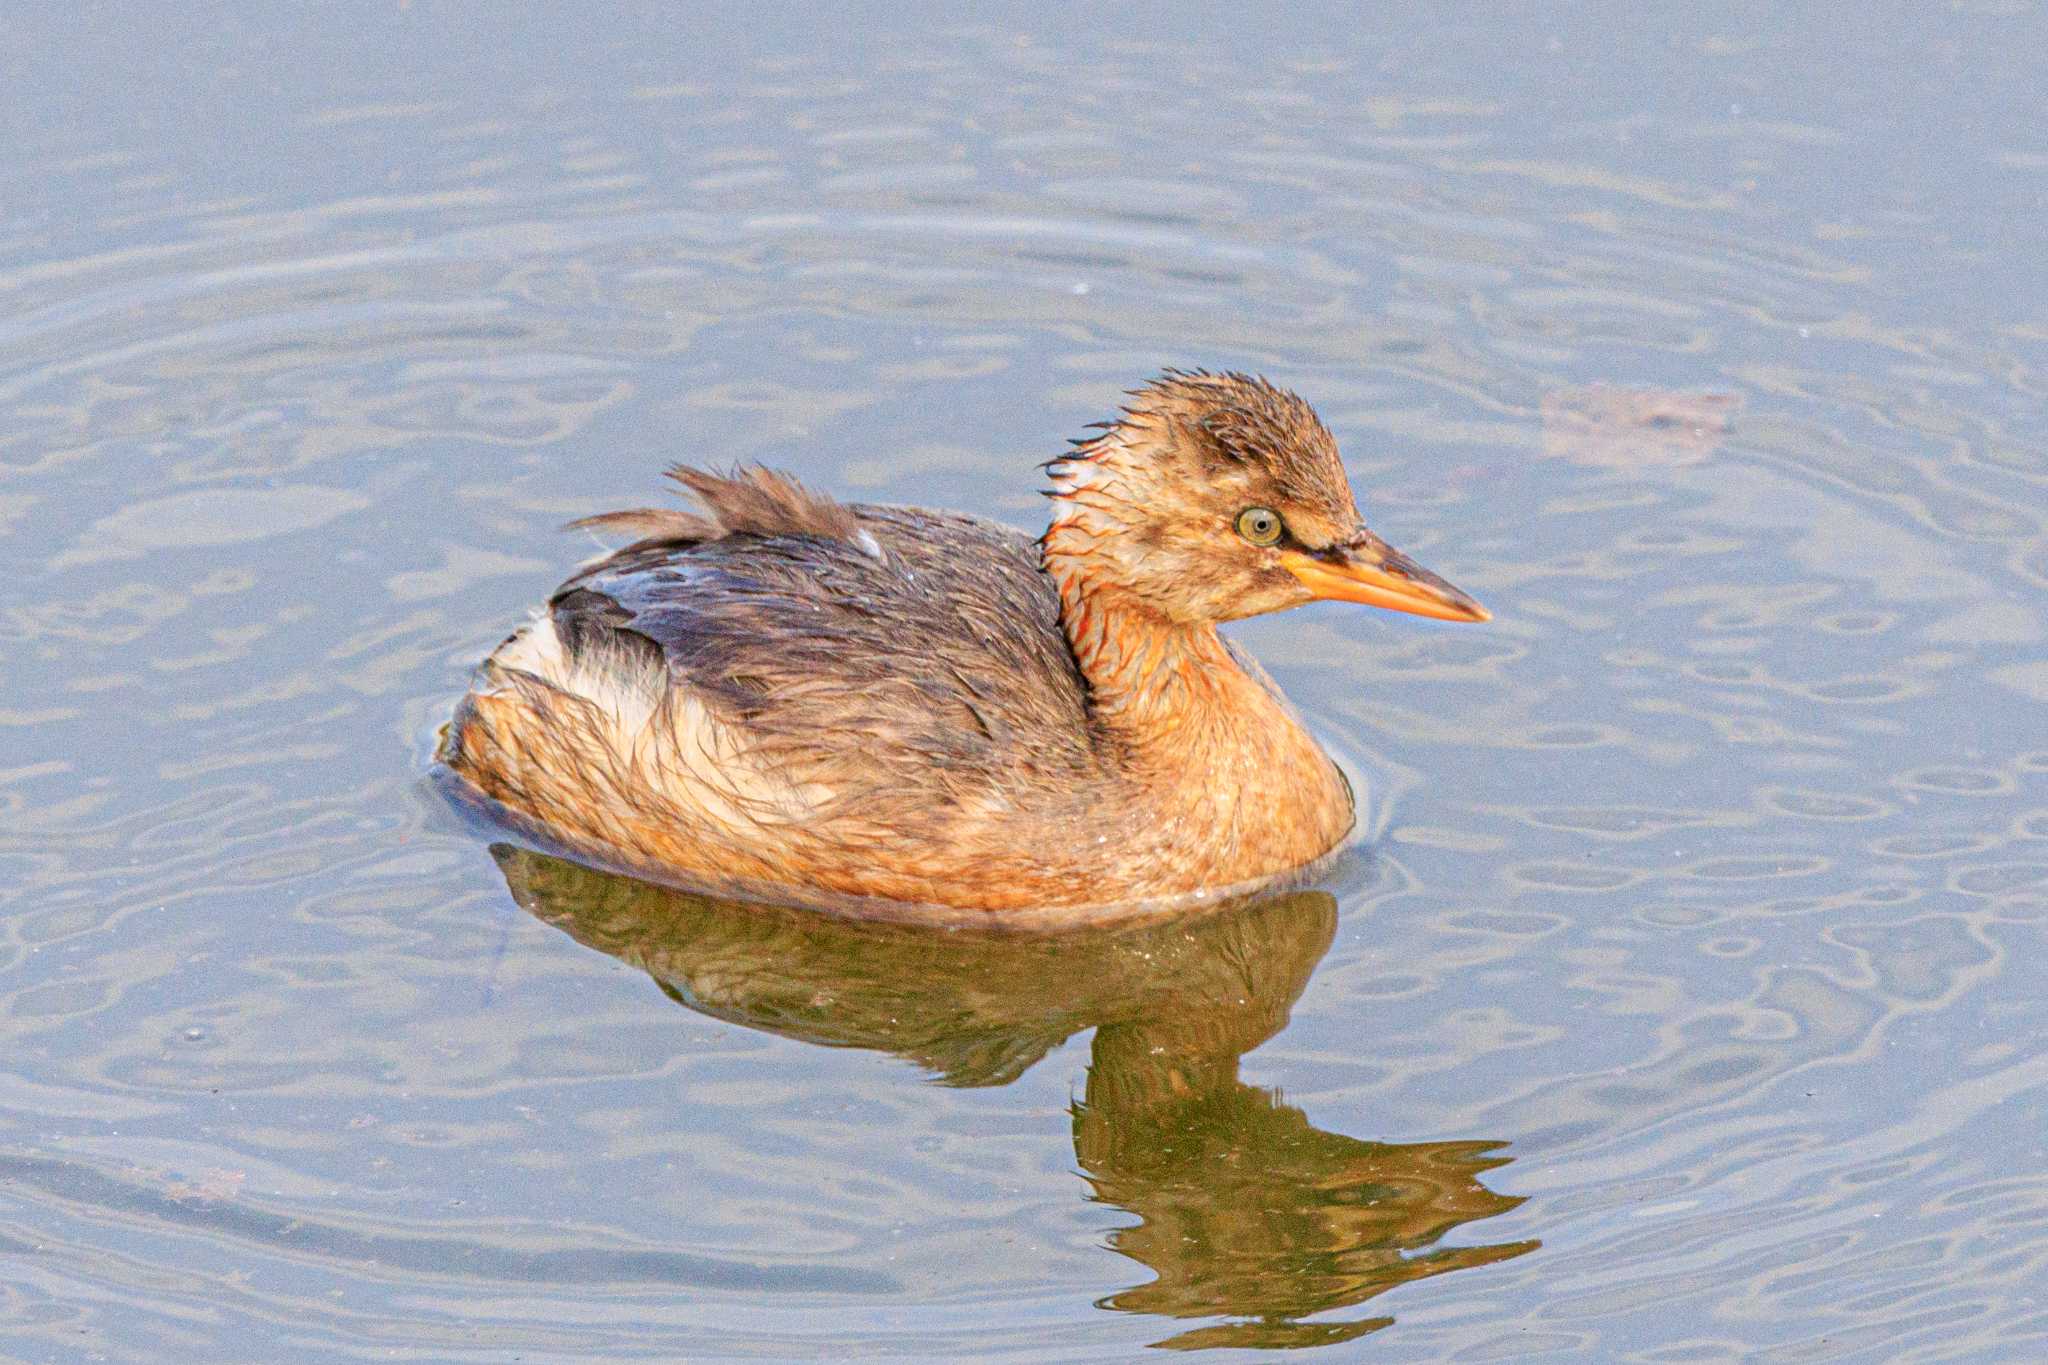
1246,1211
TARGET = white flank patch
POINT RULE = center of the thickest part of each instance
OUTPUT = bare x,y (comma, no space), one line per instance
626,696
691,758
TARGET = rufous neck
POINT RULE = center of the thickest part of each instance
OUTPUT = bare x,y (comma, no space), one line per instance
1144,669
1226,761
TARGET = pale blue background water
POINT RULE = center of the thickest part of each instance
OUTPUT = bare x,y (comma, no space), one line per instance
1710,877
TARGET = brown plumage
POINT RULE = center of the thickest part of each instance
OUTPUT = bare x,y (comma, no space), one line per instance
923,706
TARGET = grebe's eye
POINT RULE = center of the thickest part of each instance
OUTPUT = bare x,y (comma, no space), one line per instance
1260,525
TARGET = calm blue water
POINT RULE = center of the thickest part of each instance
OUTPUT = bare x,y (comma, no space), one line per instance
1686,1006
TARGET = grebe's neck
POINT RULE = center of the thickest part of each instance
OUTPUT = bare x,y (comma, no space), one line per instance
1150,676
1145,671
1222,759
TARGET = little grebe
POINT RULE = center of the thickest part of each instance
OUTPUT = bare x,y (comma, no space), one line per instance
923,706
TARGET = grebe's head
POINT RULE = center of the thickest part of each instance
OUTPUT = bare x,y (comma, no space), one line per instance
1219,496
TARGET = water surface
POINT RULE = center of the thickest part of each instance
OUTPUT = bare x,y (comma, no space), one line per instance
1686,1005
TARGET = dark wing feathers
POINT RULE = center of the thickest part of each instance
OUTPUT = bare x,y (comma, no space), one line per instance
879,639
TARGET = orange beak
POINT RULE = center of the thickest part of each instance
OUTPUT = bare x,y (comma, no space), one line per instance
1371,571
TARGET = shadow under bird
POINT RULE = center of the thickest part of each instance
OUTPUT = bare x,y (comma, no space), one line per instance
783,691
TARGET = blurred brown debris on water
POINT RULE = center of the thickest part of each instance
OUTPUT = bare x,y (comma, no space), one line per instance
1608,426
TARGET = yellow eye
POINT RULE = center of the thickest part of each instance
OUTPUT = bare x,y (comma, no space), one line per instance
1259,525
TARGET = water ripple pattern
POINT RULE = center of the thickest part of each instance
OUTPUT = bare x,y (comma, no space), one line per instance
1686,1004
